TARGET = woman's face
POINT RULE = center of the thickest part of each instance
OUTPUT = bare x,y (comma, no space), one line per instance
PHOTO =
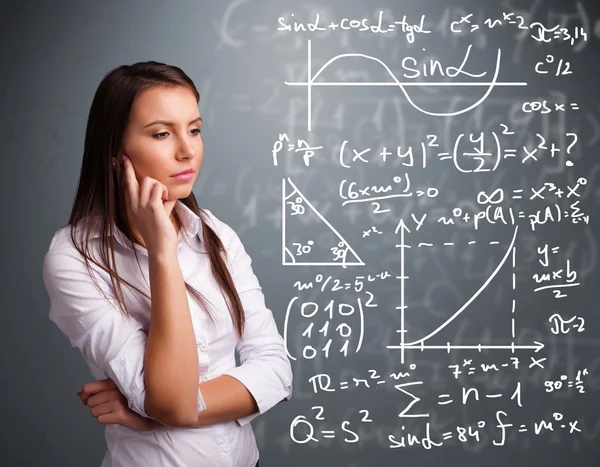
160,150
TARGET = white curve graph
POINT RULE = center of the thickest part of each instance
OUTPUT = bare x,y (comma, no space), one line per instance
473,297
311,82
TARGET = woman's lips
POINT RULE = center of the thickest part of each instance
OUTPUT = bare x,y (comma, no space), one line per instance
184,177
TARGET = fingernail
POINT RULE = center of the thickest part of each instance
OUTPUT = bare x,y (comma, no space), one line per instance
123,157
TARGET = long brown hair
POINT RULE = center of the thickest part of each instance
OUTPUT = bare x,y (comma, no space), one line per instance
100,188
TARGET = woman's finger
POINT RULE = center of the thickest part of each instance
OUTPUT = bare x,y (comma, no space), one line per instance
95,387
131,183
104,408
104,396
89,389
145,191
111,418
159,192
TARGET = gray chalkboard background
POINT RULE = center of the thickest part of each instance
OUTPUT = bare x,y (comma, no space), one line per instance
55,53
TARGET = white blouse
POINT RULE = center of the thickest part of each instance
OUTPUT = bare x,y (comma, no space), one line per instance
114,346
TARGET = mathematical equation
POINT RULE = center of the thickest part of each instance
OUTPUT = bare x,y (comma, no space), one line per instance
541,33
475,159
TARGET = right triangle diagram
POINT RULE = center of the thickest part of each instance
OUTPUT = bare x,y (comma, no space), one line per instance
308,239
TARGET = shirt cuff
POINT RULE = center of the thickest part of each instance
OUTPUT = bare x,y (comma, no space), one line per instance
137,404
201,404
128,374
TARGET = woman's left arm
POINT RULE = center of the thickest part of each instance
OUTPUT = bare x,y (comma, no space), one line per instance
264,377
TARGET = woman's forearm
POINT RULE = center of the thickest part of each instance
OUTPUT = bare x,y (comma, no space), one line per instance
226,399
171,359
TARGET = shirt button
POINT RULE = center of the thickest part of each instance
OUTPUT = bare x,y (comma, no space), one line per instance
204,378
203,348
194,314
225,448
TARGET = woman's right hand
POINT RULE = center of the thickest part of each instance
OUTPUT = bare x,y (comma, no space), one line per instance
149,207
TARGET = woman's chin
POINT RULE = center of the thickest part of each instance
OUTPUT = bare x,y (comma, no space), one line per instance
180,192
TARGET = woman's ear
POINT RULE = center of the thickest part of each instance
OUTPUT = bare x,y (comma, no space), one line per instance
116,160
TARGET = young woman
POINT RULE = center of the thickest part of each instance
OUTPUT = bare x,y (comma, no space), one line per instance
168,388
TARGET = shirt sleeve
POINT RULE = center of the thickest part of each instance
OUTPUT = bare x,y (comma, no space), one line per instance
264,367
112,344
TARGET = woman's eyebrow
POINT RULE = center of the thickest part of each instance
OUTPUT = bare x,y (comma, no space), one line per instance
164,122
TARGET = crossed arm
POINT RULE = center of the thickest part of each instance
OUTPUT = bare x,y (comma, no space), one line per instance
226,399
114,346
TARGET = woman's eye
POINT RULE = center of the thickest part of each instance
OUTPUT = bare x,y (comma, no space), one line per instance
158,135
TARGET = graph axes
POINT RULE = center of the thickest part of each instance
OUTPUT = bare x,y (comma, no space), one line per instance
448,347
